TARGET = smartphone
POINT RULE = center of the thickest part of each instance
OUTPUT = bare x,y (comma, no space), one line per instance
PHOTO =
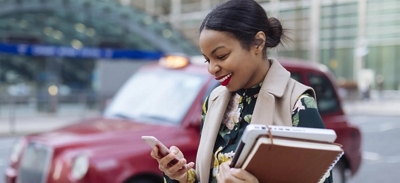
152,141
162,149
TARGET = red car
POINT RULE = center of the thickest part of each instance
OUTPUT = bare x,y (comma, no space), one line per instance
163,100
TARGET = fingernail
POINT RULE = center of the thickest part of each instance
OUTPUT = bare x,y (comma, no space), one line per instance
174,151
234,170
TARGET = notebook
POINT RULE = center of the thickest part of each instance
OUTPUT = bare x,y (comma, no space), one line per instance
254,131
291,160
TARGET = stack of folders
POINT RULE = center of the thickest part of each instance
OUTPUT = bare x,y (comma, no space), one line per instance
291,160
281,159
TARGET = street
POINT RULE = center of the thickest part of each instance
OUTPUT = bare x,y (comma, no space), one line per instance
381,149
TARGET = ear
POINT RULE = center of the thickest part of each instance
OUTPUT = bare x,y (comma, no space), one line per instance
259,42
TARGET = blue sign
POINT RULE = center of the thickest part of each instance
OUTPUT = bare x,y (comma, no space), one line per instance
63,51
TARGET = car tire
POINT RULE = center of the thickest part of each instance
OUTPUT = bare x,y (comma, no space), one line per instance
144,180
339,172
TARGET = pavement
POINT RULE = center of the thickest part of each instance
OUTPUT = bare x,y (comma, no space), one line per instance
373,107
26,120
385,103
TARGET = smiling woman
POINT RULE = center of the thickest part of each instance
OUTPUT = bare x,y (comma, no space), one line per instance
234,38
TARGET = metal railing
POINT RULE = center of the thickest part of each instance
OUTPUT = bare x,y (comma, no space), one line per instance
37,113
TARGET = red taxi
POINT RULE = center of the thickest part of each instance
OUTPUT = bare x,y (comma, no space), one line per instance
166,103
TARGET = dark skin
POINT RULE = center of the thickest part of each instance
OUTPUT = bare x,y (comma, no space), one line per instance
177,171
226,55
246,68
234,175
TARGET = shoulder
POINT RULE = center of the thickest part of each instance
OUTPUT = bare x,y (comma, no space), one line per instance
307,100
217,91
214,94
299,89
305,113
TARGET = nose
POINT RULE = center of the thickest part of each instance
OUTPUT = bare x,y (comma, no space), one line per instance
213,68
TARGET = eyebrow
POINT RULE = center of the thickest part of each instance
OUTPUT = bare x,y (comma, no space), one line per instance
214,50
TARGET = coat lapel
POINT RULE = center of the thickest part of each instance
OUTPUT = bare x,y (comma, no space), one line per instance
210,130
274,85
263,110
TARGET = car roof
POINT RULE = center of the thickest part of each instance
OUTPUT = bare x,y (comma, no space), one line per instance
191,68
302,64
198,66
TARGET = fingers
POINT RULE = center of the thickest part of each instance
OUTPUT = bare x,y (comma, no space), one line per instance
224,174
154,153
168,158
173,164
174,148
177,150
178,168
243,175
227,174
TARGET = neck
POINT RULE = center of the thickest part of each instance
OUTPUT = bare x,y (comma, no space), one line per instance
259,74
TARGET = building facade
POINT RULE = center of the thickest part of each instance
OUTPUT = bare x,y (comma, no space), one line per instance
39,40
358,40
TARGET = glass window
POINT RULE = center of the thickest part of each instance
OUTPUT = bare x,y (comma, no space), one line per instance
210,88
326,96
161,97
296,76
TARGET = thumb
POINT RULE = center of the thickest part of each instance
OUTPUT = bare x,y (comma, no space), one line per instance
242,174
174,149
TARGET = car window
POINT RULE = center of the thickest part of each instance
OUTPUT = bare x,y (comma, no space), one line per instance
296,76
210,88
326,96
156,96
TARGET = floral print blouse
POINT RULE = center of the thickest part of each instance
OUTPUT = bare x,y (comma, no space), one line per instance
238,115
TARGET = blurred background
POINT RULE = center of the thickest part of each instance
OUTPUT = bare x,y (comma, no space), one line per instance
62,60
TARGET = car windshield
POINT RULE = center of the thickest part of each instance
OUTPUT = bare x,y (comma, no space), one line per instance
163,97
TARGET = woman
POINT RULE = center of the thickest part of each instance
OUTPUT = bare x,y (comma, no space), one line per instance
234,38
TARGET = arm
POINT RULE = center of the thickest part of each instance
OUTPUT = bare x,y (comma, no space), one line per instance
305,114
191,174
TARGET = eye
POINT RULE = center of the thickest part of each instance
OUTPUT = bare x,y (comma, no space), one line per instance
207,61
222,57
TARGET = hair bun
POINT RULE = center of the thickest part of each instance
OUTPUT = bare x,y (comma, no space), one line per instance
275,33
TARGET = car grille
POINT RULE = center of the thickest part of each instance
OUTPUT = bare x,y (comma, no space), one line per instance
35,163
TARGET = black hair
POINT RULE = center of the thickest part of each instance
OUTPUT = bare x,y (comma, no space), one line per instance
243,19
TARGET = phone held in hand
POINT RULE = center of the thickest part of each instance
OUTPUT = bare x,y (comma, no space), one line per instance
162,149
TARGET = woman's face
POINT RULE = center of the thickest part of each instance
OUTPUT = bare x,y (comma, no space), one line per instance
231,64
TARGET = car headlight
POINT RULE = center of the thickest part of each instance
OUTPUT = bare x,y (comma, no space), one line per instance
17,150
80,166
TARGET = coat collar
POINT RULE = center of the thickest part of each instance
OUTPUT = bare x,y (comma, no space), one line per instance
276,80
273,86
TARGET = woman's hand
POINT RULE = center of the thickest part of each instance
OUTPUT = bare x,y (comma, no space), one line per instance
168,165
227,174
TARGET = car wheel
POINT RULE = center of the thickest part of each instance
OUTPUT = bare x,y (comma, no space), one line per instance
144,180
338,172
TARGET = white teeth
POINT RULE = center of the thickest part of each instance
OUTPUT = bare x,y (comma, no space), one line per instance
226,77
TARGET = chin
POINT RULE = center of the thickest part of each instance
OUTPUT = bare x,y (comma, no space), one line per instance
231,89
